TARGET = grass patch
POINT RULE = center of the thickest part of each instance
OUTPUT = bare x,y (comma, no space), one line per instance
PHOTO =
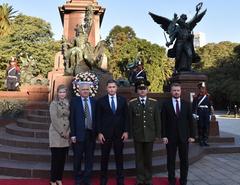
229,116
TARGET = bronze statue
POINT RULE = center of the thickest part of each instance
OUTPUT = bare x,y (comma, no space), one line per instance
80,56
180,31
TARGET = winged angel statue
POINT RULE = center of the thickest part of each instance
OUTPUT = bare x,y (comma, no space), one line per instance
80,55
181,35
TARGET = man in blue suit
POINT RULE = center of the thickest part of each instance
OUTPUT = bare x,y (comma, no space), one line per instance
83,133
112,128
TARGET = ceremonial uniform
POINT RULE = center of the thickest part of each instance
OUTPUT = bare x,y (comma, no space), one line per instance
201,106
13,77
144,119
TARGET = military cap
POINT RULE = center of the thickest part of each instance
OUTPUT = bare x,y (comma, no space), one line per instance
142,84
138,63
201,84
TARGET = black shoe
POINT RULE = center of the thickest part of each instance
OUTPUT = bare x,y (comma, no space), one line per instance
205,143
171,182
103,182
201,143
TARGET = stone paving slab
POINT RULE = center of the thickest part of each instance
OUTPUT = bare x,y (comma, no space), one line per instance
214,169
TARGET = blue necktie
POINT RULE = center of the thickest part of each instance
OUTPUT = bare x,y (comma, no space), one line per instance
113,105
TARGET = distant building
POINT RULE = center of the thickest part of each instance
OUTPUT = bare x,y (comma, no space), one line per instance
199,39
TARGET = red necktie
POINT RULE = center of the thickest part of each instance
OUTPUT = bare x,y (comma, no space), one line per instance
177,108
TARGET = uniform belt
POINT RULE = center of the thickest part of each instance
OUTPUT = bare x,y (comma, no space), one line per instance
203,106
12,76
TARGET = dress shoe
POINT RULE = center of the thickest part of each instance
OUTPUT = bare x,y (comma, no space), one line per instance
103,182
171,182
52,183
205,143
201,143
59,183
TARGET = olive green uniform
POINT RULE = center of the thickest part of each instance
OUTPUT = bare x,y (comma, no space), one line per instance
145,128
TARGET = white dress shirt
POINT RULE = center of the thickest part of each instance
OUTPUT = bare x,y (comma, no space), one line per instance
174,103
144,98
114,99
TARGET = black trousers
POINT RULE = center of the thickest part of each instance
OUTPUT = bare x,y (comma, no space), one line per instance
84,149
171,159
203,125
11,84
58,159
143,153
117,144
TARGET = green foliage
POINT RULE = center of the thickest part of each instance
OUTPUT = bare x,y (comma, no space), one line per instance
125,47
221,62
6,15
11,108
29,35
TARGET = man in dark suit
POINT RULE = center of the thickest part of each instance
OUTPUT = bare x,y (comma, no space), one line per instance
144,121
177,132
112,127
83,133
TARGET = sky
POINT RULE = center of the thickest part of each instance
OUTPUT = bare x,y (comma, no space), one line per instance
221,22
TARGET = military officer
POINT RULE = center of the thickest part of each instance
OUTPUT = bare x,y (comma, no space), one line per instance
144,121
202,109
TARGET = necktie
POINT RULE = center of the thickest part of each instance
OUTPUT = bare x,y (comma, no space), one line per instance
177,108
88,120
113,105
142,102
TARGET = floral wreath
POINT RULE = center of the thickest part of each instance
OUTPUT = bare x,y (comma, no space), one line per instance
86,77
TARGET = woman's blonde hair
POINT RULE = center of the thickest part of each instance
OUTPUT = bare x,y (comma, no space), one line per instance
61,87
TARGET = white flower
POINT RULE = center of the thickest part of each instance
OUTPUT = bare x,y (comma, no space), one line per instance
89,77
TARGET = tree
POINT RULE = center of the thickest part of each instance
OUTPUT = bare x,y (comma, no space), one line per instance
6,15
33,36
221,63
125,47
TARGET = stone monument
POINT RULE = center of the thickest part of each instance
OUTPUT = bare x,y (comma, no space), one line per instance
81,21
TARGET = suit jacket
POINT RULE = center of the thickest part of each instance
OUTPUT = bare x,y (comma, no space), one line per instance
109,124
77,119
144,121
177,128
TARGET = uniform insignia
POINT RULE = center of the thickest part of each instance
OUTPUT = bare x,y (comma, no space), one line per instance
152,99
134,99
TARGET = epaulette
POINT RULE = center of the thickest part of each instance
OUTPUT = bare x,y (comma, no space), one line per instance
134,99
152,99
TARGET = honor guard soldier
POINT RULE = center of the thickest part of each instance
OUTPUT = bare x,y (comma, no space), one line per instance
13,75
202,109
139,73
144,119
